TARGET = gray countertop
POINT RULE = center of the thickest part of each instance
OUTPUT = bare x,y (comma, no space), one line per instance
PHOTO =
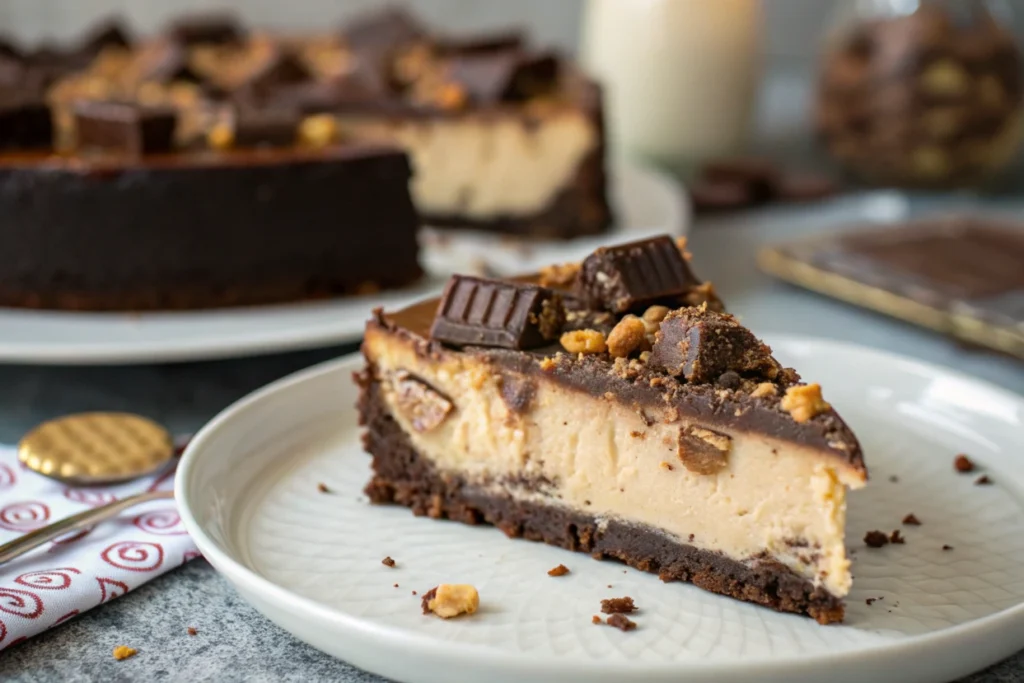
234,642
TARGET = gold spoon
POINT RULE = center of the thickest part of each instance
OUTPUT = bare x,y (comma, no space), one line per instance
90,449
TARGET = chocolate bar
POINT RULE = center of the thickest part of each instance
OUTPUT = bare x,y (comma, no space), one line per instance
25,122
478,312
701,345
625,277
124,127
503,76
266,127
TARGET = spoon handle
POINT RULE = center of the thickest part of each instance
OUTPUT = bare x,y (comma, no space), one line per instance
34,539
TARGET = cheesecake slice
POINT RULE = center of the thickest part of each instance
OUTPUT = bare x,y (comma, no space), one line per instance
613,408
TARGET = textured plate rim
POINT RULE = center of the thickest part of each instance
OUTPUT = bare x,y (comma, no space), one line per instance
417,645
342,323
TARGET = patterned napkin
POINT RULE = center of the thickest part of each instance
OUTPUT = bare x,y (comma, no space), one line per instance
83,569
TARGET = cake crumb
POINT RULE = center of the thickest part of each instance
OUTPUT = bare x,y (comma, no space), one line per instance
388,562
621,622
764,390
947,547
876,539
191,630
124,652
896,538
596,620
414,593
983,480
803,403
666,466
963,464
691,537
911,520
560,570
322,488
894,479
396,585
559,274
871,601
584,341
449,600
618,605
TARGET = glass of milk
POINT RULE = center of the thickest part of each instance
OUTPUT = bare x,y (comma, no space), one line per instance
679,76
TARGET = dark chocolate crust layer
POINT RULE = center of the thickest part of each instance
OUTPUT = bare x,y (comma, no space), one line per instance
401,476
218,229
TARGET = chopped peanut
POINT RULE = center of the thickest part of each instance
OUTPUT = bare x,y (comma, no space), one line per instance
584,341
124,652
628,336
450,600
804,402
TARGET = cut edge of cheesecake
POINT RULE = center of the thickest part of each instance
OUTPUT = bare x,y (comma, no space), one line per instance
737,486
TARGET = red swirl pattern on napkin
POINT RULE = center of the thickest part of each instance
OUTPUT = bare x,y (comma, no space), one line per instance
76,572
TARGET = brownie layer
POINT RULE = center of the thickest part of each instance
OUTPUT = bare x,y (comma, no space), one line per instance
203,230
402,476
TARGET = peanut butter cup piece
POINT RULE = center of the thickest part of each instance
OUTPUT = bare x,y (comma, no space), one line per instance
633,276
125,127
481,312
702,345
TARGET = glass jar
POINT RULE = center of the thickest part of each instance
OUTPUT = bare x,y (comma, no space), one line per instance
921,93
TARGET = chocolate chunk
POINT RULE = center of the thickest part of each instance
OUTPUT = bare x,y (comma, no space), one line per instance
876,539
518,392
701,345
506,76
25,122
478,312
124,127
379,34
167,63
109,33
266,127
420,404
703,451
207,29
631,276
281,68
730,380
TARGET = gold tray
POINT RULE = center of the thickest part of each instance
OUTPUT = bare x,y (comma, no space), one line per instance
798,263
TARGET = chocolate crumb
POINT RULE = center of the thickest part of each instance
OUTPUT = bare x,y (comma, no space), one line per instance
414,592
596,620
894,479
947,547
560,570
618,605
876,539
983,480
911,520
963,464
191,630
396,585
870,601
690,538
427,597
388,562
322,488
666,465
621,622
896,538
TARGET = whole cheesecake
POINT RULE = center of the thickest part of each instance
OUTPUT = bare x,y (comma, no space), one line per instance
612,407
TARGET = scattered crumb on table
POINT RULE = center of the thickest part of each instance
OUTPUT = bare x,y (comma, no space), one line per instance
560,570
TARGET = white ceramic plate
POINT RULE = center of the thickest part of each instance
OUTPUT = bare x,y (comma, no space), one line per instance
311,562
647,203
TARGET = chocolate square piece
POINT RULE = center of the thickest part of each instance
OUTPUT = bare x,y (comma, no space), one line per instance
280,69
629,276
208,29
25,122
125,127
478,312
503,76
167,63
382,32
266,127
700,345
109,33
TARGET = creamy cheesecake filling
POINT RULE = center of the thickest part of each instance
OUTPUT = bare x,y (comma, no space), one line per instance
601,457
486,166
